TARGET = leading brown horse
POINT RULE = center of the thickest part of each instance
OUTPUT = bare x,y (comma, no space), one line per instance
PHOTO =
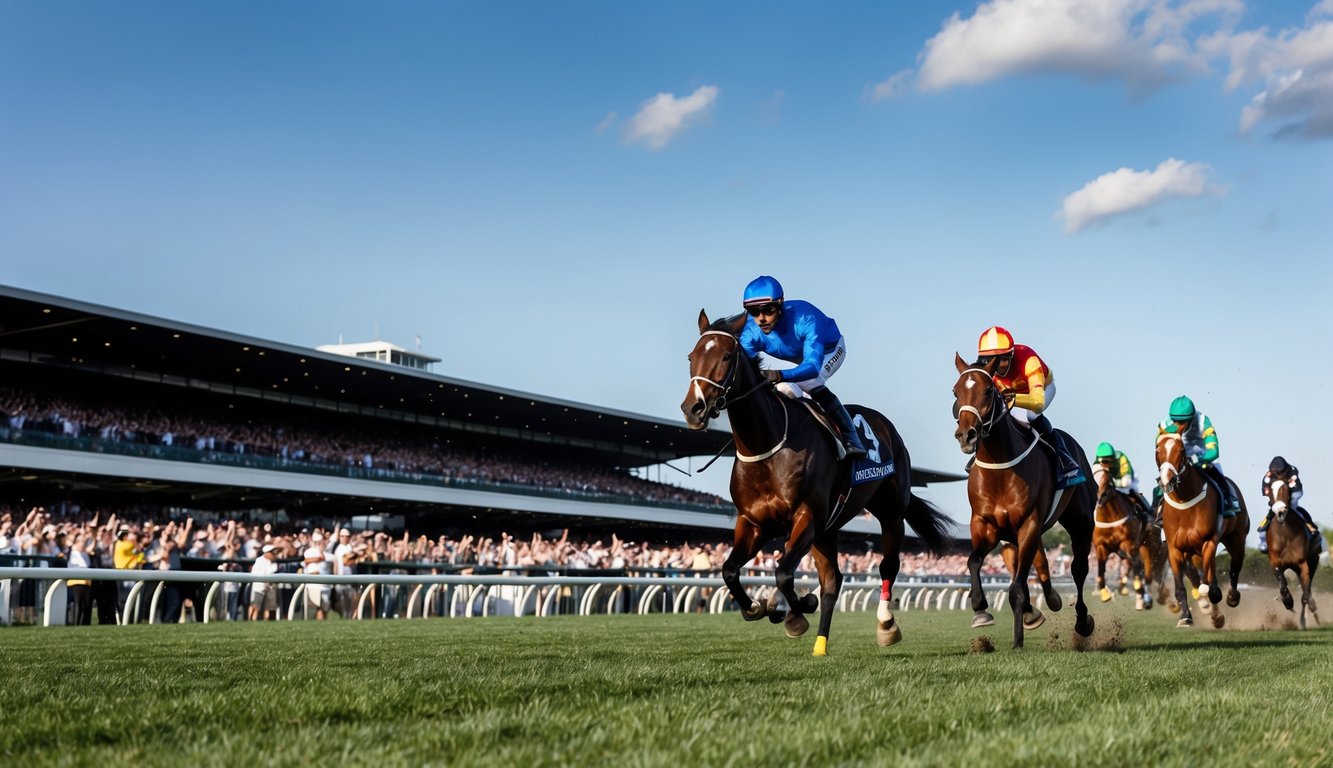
1289,548
788,479
1193,523
1012,491
1120,531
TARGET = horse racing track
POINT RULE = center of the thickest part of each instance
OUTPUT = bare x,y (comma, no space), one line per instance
667,690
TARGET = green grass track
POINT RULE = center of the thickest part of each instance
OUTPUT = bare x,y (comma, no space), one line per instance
665,690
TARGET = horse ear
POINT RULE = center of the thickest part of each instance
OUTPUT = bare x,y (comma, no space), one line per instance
703,321
959,363
737,324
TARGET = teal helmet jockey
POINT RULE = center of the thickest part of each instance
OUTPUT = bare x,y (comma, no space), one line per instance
762,290
1182,409
1105,451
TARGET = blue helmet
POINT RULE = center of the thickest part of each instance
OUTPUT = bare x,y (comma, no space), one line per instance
762,290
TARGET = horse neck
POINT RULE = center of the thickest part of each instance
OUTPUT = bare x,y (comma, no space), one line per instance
756,419
1005,441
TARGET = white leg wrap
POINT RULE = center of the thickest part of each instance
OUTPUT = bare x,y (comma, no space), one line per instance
884,613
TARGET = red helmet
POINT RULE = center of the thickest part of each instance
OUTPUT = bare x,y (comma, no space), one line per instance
995,341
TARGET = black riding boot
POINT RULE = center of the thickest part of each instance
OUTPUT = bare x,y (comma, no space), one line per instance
1228,498
1069,468
1311,530
851,440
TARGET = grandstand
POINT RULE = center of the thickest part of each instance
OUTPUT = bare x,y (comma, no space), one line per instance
110,408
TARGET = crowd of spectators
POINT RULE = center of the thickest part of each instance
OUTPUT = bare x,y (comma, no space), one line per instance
102,539
288,437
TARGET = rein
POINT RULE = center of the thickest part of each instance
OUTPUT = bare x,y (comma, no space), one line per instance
1177,476
985,425
1103,500
724,400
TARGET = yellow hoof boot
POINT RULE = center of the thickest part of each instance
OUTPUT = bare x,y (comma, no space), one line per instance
1138,584
821,646
1105,595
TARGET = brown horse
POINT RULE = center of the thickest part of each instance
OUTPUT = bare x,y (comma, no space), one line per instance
1290,548
788,481
1012,491
1120,531
1194,526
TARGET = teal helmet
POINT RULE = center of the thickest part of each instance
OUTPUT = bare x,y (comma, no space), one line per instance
1182,409
762,290
1105,451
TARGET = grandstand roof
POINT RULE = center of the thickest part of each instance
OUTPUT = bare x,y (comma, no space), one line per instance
56,331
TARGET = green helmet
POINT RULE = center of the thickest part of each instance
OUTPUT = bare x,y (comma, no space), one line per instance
1182,409
1105,451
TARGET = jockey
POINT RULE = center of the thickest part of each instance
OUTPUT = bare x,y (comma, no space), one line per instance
1028,386
796,331
1122,474
1200,446
1279,471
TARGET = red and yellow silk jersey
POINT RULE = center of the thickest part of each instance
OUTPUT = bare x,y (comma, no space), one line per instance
1028,377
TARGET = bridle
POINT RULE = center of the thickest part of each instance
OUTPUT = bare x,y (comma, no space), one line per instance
985,423
1178,475
725,400
1103,500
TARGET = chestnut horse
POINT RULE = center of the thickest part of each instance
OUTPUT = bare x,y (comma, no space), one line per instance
1290,548
787,481
1012,491
1120,531
1193,523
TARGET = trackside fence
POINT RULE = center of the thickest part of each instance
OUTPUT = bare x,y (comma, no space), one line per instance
453,595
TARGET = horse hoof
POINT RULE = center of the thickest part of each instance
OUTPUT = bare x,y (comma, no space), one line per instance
982,619
795,624
776,617
755,612
1138,584
1054,602
1219,620
1138,603
1104,594
809,603
1185,622
1233,598
1033,619
1083,626
888,634
1288,602
1173,607
1147,602
1215,595
1124,590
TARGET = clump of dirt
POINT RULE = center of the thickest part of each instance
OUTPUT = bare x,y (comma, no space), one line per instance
1259,611
1109,636
981,644
1053,641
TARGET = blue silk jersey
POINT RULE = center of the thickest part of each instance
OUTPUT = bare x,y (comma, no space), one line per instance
803,335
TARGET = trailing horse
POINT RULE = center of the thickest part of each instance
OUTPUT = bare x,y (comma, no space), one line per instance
1290,548
788,481
1194,526
1120,531
1012,491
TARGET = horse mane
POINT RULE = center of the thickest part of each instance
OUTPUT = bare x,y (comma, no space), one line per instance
724,323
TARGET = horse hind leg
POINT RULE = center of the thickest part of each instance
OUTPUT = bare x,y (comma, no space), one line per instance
887,630
830,584
798,544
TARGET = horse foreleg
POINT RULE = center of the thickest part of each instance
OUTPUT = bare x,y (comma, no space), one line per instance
1103,554
1053,601
745,545
1146,566
1307,596
1029,541
984,538
830,584
798,544
1209,584
1283,591
1182,596
1235,548
1079,528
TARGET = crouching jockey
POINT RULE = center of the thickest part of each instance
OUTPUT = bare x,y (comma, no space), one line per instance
1279,471
796,331
1029,387
1200,440
1122,476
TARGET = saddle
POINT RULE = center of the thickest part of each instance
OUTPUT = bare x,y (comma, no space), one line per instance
824,421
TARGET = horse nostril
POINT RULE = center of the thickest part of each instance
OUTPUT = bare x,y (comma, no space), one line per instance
698,408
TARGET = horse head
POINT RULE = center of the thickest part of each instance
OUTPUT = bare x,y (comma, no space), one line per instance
714,363
1105,484
1280,496
1171,462
977,404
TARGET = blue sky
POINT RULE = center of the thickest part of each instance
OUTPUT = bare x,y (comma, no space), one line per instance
548,194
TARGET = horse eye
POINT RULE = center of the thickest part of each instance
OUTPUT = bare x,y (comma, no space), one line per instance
727,356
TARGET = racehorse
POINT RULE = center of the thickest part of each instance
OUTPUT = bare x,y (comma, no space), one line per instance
1290,548
1193,523
1012,491
1118,530
788,482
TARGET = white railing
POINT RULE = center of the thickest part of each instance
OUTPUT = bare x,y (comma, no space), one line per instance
489,594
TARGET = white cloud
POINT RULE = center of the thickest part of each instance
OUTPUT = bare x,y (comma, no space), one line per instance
896,85
663,116
1144,42
605,122
1296,69
1126,190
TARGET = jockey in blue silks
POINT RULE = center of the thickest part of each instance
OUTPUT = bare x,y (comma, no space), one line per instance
796,331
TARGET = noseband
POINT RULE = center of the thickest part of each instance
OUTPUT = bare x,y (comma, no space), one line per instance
986,423
724,399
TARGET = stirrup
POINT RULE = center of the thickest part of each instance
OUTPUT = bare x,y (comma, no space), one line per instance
853,450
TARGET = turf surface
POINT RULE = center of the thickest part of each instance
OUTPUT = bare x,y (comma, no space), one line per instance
667,690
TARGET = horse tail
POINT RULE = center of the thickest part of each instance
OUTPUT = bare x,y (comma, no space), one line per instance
932,526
